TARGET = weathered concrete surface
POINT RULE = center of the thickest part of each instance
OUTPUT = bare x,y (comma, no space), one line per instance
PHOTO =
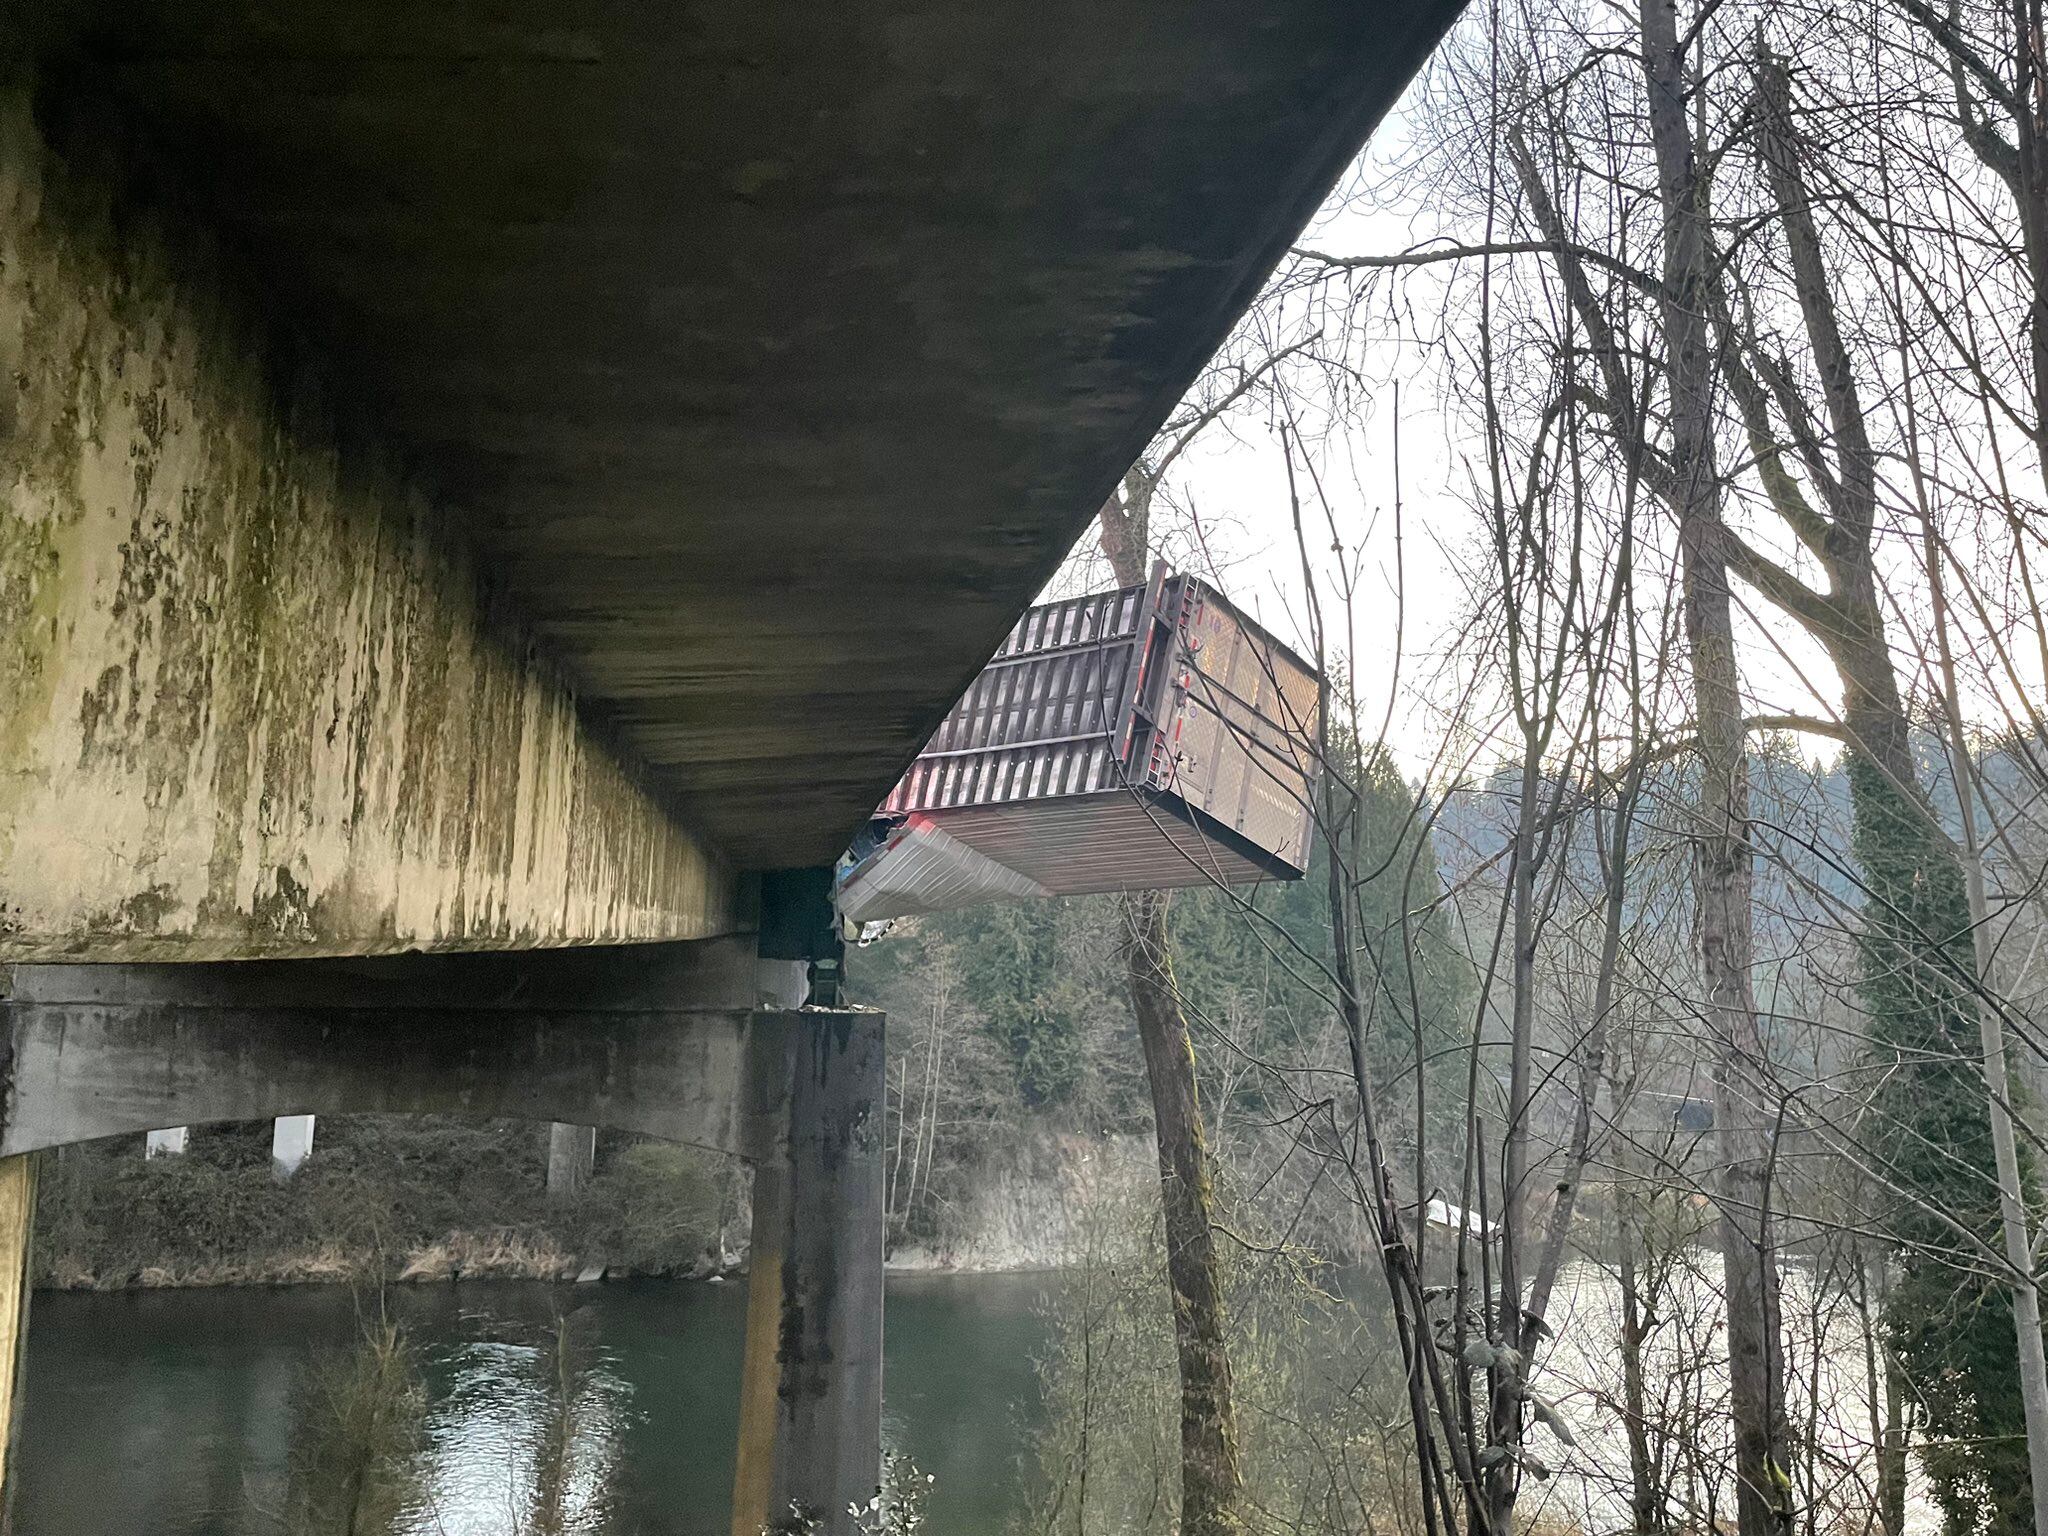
662,1039
255,696
169,1142
753,1468
572,1156
291,1143
810,1434
772,352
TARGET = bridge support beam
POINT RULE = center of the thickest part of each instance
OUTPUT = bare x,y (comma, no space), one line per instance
664,1039
811,1385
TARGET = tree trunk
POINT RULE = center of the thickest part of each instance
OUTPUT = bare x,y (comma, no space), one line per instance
1646,1491
1687,480
2028,182
1885,1398
1919,978
1723,860
1591,1052
902,1126
1506,1375
2019,1246
1211,1484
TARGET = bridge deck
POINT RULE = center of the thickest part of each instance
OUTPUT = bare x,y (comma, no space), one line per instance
772,354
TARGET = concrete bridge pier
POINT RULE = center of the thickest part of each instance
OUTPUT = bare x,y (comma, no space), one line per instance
688,1041
169,1142
811,1385
291,1143
572,1157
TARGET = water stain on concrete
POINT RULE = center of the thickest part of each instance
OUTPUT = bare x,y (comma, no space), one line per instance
256,696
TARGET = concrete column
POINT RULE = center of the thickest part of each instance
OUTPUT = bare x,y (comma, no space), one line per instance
572,1154
17,1230
167,1143
291,1142
811,1389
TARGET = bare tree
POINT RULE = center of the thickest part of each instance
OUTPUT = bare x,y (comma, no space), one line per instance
1211,1481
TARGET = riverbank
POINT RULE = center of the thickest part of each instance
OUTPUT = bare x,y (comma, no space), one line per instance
403,1200
391,1199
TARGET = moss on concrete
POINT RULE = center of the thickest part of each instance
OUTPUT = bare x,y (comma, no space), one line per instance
256,695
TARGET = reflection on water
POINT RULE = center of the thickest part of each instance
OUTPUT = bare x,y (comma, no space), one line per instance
610,1409
358,1430
527,1436
548,1409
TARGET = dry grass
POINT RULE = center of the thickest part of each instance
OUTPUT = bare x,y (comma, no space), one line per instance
493,1255
381,1198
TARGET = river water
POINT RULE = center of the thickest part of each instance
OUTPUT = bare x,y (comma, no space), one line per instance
170,1412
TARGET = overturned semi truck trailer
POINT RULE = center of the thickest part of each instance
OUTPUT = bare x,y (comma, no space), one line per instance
1138,739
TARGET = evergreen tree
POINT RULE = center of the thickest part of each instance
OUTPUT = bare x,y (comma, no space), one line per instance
1949,1322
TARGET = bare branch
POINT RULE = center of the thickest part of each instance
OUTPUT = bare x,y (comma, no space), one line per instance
1419,256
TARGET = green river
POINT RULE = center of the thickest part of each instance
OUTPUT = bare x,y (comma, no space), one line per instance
169,1412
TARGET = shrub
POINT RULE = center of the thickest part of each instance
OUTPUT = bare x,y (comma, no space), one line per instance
381,1196
358,1428
654,1210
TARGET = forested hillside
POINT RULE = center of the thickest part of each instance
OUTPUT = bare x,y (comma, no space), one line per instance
1012,1038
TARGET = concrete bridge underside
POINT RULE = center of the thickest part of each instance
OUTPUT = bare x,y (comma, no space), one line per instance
488,476
701,1043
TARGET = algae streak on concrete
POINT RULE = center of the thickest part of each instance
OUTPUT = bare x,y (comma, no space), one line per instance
254,698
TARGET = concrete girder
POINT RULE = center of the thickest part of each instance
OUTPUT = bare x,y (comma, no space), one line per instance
759,360
662,1039
257,696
